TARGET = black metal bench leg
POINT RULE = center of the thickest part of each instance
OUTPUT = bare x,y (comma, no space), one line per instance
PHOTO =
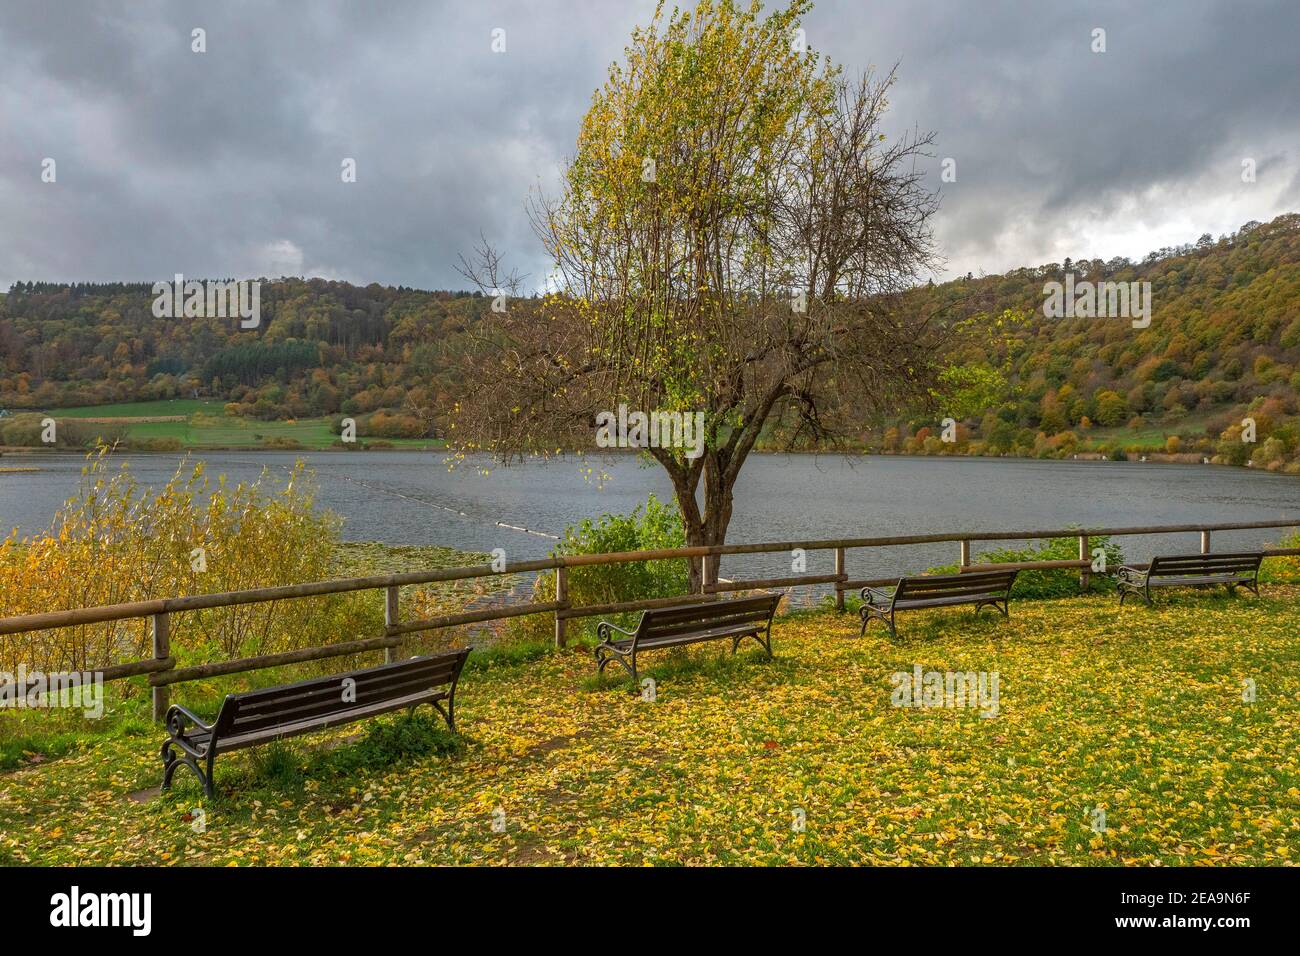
887,621
169,765
171,761
448,715
1139,593
763,642
869,613
603,657
1002,607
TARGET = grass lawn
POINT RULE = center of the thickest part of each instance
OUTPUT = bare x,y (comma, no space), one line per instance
198,423
1138,712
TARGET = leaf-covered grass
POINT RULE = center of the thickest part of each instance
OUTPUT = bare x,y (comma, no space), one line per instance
1139,712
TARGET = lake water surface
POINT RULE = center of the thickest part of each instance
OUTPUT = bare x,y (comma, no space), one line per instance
412,498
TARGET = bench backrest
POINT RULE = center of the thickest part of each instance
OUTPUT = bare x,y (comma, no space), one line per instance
1241,563
321,696
686,618
971,584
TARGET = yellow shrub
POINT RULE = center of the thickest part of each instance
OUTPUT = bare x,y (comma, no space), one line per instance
115,542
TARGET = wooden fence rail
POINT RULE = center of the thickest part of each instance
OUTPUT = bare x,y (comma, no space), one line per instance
162,670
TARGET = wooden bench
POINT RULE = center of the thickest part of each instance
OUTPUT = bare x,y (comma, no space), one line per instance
688,624
274,713
937,590
1191,570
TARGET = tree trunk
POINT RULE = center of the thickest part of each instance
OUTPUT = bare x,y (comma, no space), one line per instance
708,526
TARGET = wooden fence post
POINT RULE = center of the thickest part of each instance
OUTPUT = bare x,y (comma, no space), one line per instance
1085,573
562,598
392,616
839,583
964,560
1205,542
162,643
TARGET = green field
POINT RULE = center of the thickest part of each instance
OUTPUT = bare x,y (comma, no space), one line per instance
165,406
206,425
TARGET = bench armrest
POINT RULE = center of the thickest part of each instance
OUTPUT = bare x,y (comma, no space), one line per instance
177,717
604,628
870,595
1130,573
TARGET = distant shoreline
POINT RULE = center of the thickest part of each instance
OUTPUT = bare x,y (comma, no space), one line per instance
31,450
1154,458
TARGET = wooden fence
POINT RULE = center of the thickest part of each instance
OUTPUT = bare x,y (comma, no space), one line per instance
162,670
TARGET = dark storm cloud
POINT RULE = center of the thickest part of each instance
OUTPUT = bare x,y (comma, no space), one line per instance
228,162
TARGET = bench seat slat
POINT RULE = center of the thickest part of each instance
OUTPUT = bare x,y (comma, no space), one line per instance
658,631
296,708
433,667
1164,567
717,606
723,615
947,601
330,694
906,591
324,721
1162,572
1169,566
374,681
1188,580
670,640
992,580
1210,559
1213,556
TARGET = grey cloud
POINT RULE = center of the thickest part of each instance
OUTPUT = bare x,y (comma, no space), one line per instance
228,162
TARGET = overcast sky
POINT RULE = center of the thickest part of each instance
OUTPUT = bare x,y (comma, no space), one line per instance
227,163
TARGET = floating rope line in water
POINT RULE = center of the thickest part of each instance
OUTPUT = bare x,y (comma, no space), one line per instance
421,501
455,511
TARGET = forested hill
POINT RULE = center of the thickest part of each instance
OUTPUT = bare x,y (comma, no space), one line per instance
1223,342
321,348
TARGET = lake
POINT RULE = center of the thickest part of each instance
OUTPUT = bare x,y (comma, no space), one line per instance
412,498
